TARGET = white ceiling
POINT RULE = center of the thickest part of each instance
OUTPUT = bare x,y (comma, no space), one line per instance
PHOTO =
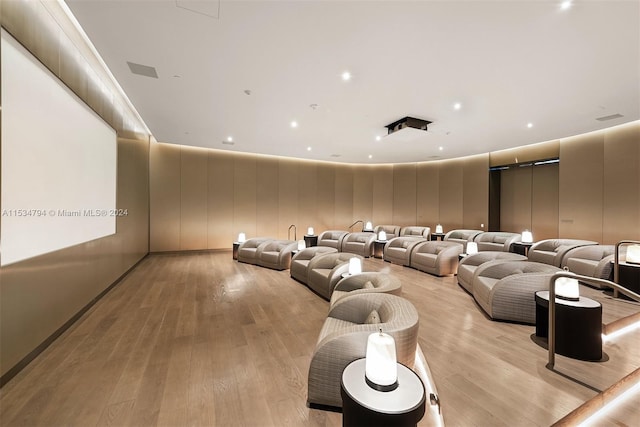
508,63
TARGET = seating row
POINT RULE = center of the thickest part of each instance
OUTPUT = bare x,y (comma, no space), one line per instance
267,252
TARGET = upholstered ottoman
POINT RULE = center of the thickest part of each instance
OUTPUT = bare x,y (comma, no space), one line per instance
468,265
300,262
435,257
506,290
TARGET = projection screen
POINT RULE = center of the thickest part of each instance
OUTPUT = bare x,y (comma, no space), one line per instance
58,162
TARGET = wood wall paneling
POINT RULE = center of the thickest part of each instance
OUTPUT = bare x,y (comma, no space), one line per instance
343,192
288,196
404,194
545,201
475,192
581,187
515,200
382,199
244,195
621,190
450,183
428,195
307,197
164,197
325,200
267,199
193,198
363,193
221,229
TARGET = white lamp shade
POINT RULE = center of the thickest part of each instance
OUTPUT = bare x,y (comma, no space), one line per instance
633,254
241,237
368,226
527,237
380,366
355,266
310,231
301,245
382,235
439,229
567,288
472,248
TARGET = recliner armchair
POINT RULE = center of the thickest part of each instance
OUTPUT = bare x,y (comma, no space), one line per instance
461,236
496,241
391,230
367,282
300,262
592,260
325,271
248,250
358,243
332,238
552,251
344,336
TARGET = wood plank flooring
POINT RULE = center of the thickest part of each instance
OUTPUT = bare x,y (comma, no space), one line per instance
198,339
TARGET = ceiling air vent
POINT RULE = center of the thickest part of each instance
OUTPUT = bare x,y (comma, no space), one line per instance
142,70
611,117
407,122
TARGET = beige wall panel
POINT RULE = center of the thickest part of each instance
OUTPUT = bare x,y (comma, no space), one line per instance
515,200
581,187
382,199
343,192
363,193
307,197
621,216
526,153
404,194
475,198
450,190
164,197
220,229
544,202
427,195
288,196
267,197
325,200
40,294
193,198
244,195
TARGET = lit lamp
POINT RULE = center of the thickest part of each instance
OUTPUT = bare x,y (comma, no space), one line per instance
382,236
355,267
527,237
439,229
567,288
633,254
381,368
472,248
241,238
301,245
310,231
368,226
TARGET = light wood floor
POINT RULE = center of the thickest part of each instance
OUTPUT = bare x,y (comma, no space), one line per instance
199,339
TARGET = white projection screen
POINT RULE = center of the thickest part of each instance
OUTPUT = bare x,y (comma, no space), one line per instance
58,162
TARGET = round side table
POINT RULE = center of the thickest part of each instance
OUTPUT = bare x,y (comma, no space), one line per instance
364,406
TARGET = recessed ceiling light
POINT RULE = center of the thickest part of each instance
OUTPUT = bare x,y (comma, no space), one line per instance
346,76
371,156
529,125
229,139
440,148
457,106
565,5
308,148
378,138
294,124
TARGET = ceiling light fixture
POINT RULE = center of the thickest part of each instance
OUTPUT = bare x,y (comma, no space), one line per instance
565,5
440,148
346,76
308,148
457,106
294,124
371,156
378,138
529,125
229,139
